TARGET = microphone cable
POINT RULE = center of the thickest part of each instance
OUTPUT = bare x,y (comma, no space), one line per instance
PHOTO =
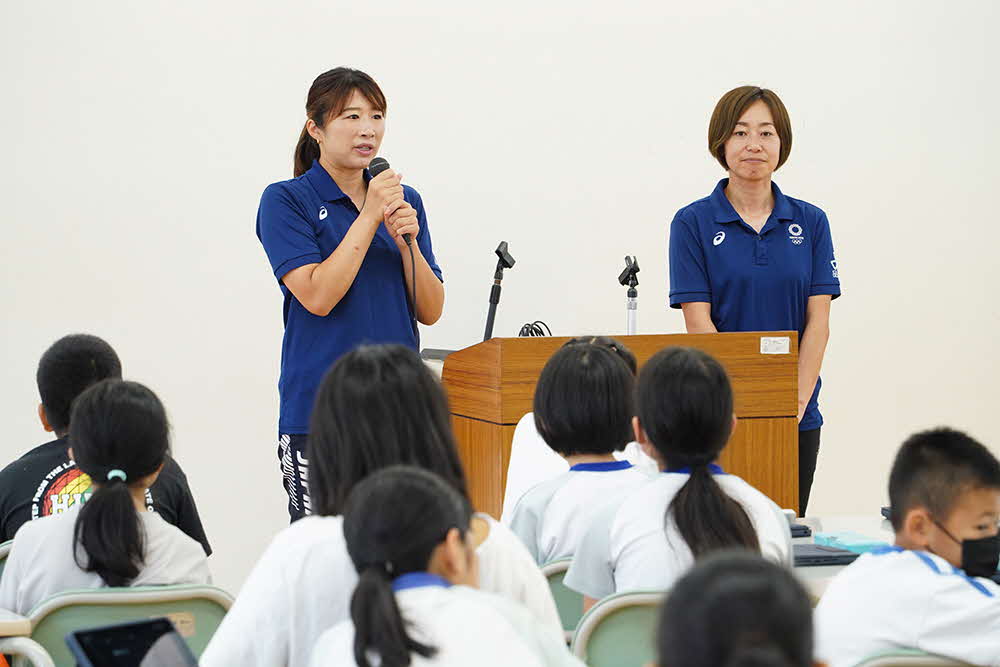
535,329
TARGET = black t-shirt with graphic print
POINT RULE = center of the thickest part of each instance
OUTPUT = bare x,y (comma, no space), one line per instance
44,481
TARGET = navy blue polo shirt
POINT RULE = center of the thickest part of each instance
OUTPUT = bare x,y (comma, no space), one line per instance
755,282
302,221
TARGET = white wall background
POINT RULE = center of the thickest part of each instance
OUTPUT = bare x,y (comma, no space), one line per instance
137,137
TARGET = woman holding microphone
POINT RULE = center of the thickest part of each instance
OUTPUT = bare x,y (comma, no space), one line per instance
750,258
335,238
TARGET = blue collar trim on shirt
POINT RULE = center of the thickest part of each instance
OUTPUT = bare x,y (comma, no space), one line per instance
712,468
418,580
929,562
723,211
324,184
603,466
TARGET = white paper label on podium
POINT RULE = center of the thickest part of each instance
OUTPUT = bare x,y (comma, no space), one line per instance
775,345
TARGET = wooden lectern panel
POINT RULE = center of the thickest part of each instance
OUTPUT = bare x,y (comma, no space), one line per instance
491,386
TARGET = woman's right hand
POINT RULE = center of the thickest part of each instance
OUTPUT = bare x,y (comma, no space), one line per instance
384,189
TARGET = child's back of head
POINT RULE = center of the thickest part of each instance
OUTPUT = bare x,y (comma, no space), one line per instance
69,366
736,610
584,398
944,490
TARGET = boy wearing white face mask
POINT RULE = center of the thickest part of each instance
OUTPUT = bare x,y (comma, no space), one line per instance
930,591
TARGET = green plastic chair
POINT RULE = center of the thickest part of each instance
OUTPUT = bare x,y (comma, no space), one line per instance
906,657
195,610
568,602
619,631
4,551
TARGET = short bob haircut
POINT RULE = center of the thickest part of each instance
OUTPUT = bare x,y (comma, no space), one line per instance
728,111
934,468
378,406
69,366
584,400
736,609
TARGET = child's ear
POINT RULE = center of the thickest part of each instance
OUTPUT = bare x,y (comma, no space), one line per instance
917,526
44,418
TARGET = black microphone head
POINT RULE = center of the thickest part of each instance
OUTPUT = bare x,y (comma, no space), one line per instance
377,166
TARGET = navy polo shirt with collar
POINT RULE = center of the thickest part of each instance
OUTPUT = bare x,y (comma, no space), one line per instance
754,281
302,221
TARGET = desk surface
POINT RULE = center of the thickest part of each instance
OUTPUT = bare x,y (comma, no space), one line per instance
816,579
12,625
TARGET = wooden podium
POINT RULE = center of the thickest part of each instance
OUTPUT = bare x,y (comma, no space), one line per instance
491,386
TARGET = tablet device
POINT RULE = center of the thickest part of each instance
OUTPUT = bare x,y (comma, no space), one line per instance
149,643
811,555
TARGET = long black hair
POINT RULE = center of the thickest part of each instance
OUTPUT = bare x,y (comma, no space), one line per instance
736,609
119,435
685,405
393,521
378,406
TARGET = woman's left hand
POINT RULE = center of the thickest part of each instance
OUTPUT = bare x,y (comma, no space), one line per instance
401,218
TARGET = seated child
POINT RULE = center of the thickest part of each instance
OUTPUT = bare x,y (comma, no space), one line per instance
378,406
45,481
649,538
533,462
929,591
119,435
739,610
408,535
583,411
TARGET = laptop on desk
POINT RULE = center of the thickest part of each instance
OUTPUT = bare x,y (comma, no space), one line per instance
814,555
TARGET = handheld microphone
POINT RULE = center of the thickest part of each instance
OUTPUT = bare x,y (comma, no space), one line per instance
376,167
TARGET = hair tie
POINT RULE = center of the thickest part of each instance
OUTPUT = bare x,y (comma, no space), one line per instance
117,474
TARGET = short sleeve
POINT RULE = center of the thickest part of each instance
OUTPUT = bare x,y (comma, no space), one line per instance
424,235
959,604
592,571
688,271
825,275
526,524
288,237
172,499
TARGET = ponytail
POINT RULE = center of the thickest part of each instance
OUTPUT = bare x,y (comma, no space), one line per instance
685,406
119,435
379,625
306,151
109,531
393,521
707,518
329,94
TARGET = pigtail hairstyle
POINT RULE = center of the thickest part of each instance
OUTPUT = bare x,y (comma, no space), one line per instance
736,609
379,405
328,95
393,521
118,429
685,405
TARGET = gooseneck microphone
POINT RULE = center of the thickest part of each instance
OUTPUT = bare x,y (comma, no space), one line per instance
376,167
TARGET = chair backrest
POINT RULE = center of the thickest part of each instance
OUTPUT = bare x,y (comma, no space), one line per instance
568,602
195,610
909,658
619,630
4,551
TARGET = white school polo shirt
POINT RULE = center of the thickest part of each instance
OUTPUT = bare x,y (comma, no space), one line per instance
302,585
907,599
466,626
552,517
41,562
629,546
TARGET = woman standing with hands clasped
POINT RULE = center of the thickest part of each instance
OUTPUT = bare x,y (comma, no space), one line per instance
750,258
334,236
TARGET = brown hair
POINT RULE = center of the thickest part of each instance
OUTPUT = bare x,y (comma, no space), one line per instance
728,111
327,96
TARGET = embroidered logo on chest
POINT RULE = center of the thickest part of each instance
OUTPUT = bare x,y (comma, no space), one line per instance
322,212
719,238
795,233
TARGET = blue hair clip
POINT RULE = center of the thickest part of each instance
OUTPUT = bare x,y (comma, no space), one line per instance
117,474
